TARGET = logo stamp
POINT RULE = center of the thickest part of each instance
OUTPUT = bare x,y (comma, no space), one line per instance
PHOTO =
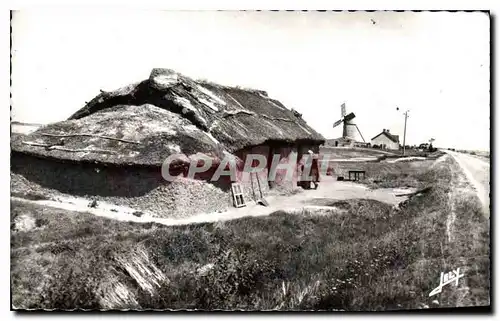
447,278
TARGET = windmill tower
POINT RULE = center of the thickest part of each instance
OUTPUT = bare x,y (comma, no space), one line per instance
350,130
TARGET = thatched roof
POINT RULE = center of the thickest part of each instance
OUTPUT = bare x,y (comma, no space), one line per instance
165,114
144,135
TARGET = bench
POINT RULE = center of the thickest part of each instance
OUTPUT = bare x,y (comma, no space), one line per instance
356,175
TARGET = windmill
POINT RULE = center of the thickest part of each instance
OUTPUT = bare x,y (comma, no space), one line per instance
350,129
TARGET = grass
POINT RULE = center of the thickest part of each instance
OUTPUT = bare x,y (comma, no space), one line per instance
370,257
354,152
345,152
382,174
387,175
481,153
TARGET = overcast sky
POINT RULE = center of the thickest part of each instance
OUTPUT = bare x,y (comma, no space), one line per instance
435,64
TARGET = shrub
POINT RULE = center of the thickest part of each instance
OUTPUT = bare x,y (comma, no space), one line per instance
74,283
39,222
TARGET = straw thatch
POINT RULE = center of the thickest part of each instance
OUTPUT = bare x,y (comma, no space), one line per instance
166,114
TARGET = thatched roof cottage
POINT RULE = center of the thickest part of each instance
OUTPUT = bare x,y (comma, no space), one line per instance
113,148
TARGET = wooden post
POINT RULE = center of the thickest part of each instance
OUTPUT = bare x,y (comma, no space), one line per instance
404,135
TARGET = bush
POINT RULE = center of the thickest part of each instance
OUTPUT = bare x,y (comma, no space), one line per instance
74,283
39,222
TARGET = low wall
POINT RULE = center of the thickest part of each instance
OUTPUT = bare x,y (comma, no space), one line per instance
145,189
137,187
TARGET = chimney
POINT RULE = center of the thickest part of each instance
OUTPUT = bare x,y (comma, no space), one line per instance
387,130
383,130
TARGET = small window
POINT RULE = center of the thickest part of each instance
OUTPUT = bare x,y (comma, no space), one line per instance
238,199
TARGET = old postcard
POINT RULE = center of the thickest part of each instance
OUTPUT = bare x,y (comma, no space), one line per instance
250,160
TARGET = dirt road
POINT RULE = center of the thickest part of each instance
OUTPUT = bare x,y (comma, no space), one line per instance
477,172
329,188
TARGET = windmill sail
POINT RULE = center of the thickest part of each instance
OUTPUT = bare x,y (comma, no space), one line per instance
338,122
342,110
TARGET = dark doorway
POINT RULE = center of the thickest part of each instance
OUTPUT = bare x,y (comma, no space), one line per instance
270,156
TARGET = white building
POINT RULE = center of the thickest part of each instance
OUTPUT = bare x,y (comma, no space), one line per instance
386,140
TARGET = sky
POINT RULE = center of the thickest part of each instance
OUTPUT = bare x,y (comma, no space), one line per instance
436,65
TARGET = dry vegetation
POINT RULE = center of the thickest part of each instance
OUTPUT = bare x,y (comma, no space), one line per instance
370,257
383,174
345,152
481,153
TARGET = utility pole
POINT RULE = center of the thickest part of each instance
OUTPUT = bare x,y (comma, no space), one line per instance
404,135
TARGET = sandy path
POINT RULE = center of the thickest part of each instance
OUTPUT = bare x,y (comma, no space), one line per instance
477,172
329,188
353,159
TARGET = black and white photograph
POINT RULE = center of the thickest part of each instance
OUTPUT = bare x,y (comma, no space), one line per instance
308,160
